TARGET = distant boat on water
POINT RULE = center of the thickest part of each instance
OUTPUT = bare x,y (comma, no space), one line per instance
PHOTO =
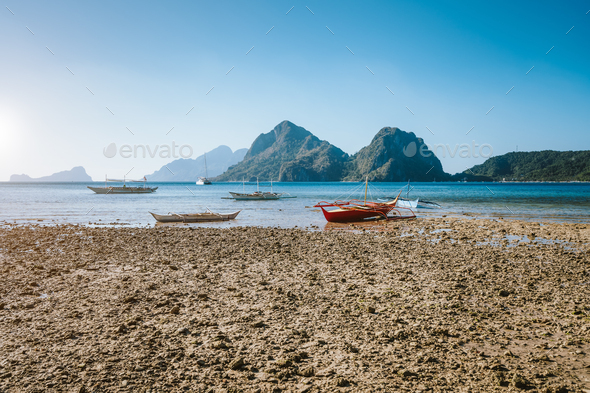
123,189
202,181
258,195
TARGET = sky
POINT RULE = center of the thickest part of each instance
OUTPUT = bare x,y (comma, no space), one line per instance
78,76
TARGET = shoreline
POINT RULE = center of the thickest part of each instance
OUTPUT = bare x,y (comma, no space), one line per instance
437,305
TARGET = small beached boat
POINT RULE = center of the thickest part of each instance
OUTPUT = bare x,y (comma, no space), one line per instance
195,217
123,189
356,210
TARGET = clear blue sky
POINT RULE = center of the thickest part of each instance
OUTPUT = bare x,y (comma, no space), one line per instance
449,62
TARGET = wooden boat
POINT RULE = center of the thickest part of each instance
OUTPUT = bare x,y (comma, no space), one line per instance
403,202
123,189
258,195
195,217
356,210
202,181
255,196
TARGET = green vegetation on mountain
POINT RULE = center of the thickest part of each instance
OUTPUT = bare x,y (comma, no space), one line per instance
289,153
395,155
546,165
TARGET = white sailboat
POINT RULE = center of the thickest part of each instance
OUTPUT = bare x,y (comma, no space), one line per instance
204,180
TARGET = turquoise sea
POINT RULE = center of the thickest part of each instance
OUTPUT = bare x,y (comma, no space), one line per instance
55,203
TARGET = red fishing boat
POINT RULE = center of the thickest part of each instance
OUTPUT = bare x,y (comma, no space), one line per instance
356,210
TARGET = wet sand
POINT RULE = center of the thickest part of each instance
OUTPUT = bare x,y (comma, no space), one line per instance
447,304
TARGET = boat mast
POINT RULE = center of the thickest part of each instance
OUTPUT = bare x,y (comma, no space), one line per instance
271,185
366,187
257,188
206,174
243,185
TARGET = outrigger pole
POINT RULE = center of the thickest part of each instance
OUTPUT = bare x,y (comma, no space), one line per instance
366,186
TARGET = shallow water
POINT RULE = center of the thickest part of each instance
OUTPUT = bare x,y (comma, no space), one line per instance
74,203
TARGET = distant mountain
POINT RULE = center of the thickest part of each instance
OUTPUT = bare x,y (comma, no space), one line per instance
289,153
395,155
189,169
546,165
77,173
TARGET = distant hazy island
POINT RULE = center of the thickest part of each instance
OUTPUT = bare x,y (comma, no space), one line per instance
293,154
76,174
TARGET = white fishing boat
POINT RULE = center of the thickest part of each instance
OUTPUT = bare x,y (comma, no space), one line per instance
202,181
258,195
403,202
195,217
123,189
413,204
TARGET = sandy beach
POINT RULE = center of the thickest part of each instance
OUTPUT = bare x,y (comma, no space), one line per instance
430,305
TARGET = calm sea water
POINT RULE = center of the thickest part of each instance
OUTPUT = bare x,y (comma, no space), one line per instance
55,203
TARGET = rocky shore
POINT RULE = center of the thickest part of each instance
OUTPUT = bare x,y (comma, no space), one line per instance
431,305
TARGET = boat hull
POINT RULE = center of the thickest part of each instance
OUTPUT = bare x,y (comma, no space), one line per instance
407,203
195,217
352,215
257,196
203,182
123,190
